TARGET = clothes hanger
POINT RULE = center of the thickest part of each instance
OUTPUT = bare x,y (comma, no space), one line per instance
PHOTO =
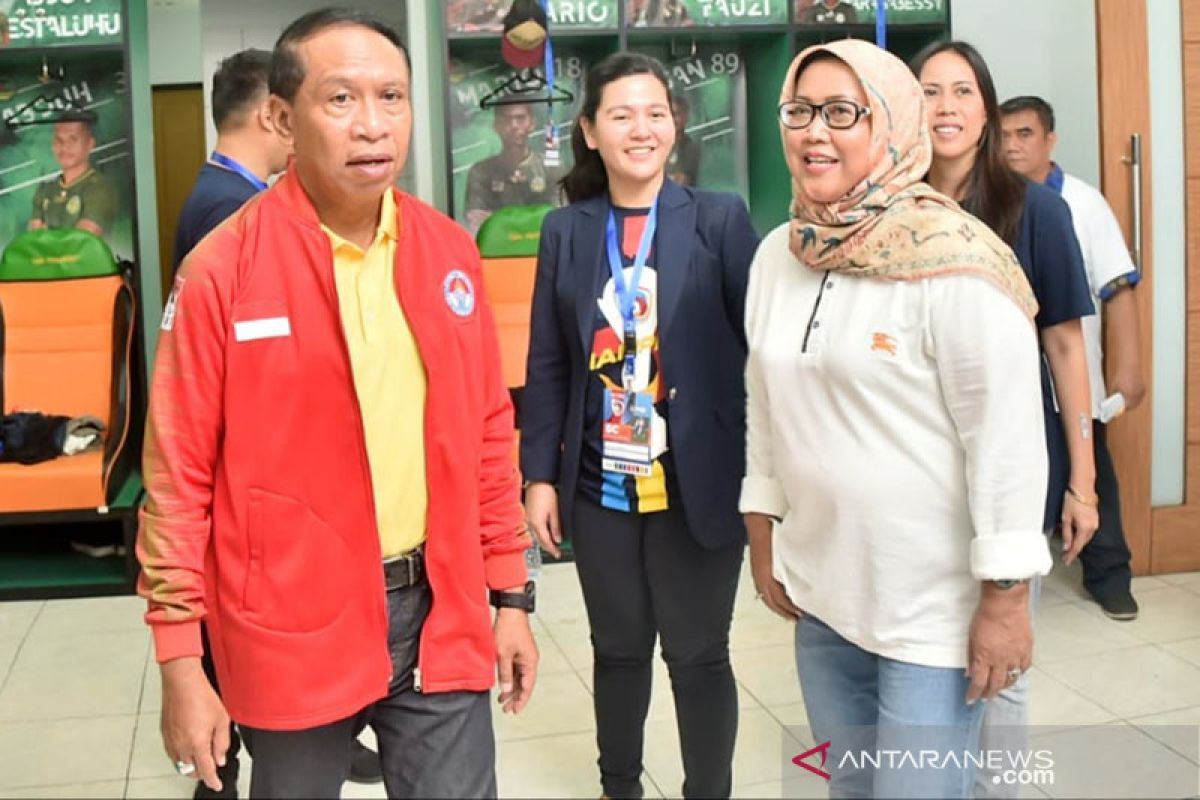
525,87
75,111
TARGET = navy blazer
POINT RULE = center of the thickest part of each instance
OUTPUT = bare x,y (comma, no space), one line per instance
704,246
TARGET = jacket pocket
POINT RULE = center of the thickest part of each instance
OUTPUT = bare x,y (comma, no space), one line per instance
298,570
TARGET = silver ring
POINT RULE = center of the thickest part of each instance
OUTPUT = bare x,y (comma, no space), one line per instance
1014,675
184,768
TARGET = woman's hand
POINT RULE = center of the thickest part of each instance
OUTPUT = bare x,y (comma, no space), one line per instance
1000,648
769,590
1079,523
541,514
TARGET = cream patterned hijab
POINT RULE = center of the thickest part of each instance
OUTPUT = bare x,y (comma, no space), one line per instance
892,225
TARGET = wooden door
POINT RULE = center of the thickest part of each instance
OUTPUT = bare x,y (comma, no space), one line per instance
178,156
1164,539
1123,70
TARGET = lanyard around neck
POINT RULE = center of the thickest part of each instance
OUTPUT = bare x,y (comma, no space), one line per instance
233,166
627,293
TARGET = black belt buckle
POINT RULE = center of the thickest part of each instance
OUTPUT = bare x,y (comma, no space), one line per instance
404,571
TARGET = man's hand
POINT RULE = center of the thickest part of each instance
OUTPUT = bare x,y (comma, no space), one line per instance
475,219
90,227
1131,385
1079,523
770,591
516,659
195,726
1001,640
1124,355
541,514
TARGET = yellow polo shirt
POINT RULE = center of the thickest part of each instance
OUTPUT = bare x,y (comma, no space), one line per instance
389,378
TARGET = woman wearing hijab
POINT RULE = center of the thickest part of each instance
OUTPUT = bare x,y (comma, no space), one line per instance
895,450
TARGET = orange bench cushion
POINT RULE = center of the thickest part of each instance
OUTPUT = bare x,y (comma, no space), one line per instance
65,483
509,285
58,340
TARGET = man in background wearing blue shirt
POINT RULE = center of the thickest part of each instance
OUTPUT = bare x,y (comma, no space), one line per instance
248,152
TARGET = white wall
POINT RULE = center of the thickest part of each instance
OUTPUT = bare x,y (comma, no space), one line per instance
174,41
1045,48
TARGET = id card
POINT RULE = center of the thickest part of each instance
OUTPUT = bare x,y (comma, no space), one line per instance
625,433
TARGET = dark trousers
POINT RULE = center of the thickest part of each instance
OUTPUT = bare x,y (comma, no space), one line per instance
1106,558
430,745
643,575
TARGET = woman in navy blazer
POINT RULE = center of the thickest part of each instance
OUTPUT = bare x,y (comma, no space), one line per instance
633,420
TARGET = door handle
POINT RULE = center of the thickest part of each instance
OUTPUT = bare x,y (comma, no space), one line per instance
1134,160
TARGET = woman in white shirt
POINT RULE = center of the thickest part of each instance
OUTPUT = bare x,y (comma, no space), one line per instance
896,460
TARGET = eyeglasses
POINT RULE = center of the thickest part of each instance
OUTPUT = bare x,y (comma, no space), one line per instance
836,114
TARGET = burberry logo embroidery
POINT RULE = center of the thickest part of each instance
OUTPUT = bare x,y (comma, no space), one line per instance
884,343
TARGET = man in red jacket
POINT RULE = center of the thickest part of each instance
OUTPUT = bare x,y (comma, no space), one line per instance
327,461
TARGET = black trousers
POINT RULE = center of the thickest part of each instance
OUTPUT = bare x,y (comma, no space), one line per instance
1105,560
644,576
430,745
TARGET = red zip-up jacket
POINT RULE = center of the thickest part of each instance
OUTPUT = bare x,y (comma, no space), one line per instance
260,517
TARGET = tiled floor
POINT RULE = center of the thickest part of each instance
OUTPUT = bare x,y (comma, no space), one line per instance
79,692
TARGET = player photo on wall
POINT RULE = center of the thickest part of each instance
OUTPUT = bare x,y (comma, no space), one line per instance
514,152
65,161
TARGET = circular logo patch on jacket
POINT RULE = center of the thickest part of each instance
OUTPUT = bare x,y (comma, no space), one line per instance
459,293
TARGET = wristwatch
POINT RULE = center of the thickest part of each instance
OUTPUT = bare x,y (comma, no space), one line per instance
523,600
1006,583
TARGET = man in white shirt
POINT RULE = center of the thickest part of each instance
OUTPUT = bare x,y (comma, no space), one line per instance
1029,140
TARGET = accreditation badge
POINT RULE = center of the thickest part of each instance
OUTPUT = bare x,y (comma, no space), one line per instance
538,183
625,432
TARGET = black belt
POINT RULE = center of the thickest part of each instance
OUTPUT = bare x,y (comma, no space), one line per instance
404,571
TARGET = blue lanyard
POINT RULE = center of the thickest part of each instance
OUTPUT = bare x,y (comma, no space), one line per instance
233,166
549,68
627,294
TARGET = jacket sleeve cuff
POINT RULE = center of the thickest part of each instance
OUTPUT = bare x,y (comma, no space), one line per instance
1010,556
505,570
177,640
763,496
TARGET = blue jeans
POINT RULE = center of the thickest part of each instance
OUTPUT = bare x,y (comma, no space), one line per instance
863,703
